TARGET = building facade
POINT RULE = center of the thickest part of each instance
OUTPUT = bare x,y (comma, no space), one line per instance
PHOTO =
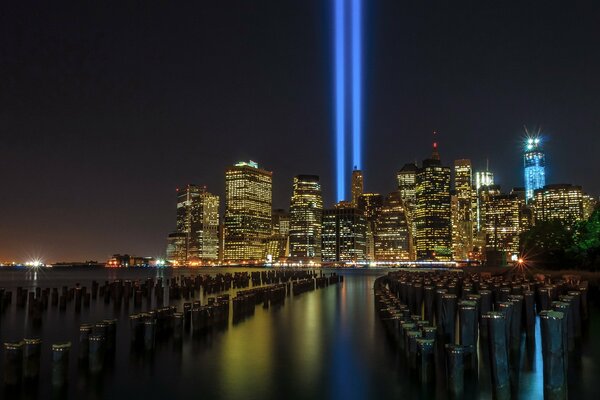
343,235
432,211
392,233
306,212
370,205
196,238
357,186
482,179
463,210
534,161
502,227
248,203
561,202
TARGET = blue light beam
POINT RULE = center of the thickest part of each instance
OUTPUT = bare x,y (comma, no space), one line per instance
340,95
356,83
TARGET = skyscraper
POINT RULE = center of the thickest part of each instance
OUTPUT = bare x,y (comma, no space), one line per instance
502,227
482,179
248,202
535,166
357,186
463,210
370,205
306,211
432,211
277,245
392,235
196,237
560,202
344,234
406,178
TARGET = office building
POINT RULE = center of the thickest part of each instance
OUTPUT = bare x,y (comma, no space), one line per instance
306,211
502,227
561,202
357,186
463,210
534,161
343,235
196,237
392,233
248,202
432,214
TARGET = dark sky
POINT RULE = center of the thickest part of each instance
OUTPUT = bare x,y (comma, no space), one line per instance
106,107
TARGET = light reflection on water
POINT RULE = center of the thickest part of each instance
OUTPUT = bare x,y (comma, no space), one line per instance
326,344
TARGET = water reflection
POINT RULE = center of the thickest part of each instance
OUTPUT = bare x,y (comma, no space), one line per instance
320,345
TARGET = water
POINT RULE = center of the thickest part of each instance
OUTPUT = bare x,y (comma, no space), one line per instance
326,344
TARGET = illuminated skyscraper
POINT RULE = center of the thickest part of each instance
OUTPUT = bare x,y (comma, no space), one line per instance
344,234
535,166
370,205
463,210
306,211
392,236
248,201
482,178
357,186
277,245
407,177
196,237
558,202
432,211
502,227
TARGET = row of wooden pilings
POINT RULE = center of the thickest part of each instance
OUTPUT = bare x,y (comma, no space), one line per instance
423,311
98,342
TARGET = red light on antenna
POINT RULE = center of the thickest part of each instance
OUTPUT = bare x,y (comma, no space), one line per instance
435,145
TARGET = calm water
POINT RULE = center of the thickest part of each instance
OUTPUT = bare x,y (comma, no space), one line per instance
326,344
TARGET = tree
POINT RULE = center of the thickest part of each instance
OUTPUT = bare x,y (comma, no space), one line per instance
549,245
586,242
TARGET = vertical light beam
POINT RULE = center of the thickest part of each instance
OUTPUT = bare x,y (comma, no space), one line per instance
340,95
356,83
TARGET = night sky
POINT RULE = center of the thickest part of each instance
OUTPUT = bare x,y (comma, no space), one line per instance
107,107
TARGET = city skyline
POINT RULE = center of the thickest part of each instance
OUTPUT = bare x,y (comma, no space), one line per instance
98,135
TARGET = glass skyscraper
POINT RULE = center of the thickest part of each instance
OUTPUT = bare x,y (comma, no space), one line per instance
306,211
535,167
248,203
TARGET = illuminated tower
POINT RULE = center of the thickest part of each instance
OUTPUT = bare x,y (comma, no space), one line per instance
277,245
248,202
406,182
502,227
344,234
432,211
196,237
392,237
370,205
562,202
306,211
482,179
462,210
534,161
357,186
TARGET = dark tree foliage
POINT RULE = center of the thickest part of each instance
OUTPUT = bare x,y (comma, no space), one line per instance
586,242
548,245
556,245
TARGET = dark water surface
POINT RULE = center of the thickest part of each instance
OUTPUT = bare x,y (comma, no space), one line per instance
325,344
